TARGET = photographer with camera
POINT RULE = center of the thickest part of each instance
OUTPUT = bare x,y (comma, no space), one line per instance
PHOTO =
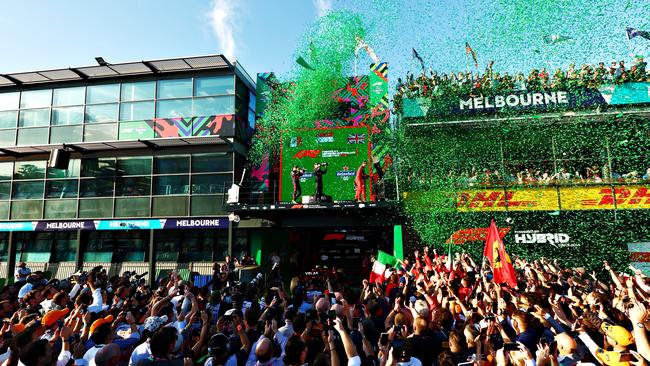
320,169
296,173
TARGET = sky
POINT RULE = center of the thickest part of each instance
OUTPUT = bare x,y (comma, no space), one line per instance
264,34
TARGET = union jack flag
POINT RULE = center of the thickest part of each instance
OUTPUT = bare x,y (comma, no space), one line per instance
357,138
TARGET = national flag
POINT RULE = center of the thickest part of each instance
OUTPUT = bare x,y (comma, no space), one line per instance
416,55
357,138
379,267
633,32
500,262
295,141
470,51
556,38
325,137
302,62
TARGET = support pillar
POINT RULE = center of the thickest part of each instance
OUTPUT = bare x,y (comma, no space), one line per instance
11,257
152,259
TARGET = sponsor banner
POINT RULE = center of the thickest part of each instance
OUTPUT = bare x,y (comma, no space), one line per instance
558,240
346,173
338,154
466,235
640,256
18,226
542,199
135,224
135,130
586,198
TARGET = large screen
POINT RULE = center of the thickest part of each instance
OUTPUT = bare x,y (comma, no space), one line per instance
342,148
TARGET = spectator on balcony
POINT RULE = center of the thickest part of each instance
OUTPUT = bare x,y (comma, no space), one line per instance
22,272
520,82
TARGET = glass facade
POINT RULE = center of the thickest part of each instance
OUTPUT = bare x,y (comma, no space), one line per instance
98,112
158,184
140,186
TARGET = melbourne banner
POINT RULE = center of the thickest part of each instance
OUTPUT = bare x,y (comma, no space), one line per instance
524,101
127,224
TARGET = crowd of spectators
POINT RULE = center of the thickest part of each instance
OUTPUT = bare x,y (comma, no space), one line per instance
536,175
440,85
428,310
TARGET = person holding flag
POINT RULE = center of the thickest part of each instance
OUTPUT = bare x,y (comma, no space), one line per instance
495,252
380,265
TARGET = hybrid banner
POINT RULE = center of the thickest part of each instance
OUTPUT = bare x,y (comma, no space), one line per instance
130,224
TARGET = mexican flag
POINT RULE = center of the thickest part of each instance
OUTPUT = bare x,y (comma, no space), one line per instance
379,267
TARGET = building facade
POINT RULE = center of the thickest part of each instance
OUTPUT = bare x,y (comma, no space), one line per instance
154,147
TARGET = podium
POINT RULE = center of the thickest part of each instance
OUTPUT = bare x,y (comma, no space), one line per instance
311,200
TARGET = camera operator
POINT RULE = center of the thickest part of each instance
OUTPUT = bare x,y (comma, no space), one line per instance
319,170
296,173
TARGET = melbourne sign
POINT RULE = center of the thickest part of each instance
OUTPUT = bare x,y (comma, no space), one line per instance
515,100
135,224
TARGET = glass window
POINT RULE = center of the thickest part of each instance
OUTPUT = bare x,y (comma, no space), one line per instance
251,100
207,205
5,190
95,208
8,119
138,91
34,117
132,207
8,138
170,206
166,185
6,170
66,188
101,132
61,134
212,106
26,190
71,172
167,244
214,85
100,246
134,166
101,113
61,209
29,170
65,242
69,96
98,167
26,210
174,108
103,93
32,136
136,111
174,88
211,163
96,187
4,209
36,98
211,183
133,186
67,116
9,101
171,164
